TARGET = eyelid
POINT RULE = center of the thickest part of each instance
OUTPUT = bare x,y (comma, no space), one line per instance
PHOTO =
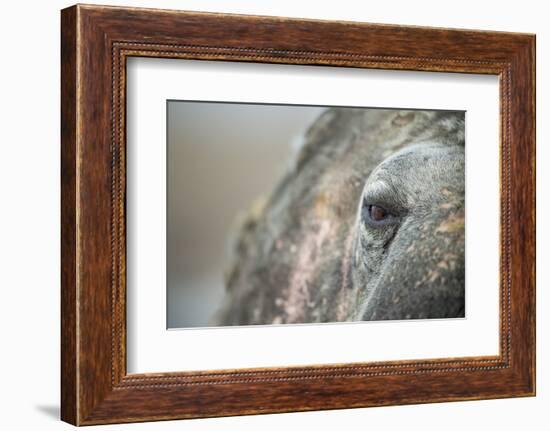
383,193
377,190
366,216
391,209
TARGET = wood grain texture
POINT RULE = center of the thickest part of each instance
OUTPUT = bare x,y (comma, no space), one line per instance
96,41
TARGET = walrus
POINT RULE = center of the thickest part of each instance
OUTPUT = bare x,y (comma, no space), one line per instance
367,224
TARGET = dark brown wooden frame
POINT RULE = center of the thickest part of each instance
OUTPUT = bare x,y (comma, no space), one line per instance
95,43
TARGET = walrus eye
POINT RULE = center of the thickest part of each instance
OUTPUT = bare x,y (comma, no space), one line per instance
377,213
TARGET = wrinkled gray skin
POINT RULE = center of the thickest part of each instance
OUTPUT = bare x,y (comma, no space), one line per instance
311,253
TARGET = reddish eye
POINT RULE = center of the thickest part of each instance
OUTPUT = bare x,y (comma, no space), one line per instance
377,213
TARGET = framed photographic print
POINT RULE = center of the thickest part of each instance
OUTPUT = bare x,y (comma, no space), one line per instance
263,214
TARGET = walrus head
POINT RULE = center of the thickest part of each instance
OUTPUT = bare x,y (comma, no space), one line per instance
408,249
368,224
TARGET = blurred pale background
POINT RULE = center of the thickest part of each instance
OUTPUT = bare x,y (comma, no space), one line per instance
221,158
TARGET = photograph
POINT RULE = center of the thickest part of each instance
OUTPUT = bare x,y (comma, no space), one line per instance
297,214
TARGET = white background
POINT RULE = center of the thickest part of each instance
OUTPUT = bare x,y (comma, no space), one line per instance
151,348
29,218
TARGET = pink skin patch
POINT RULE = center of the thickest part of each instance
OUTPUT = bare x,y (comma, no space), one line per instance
297,295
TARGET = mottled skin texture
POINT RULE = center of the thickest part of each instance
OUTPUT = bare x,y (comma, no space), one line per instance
312,253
